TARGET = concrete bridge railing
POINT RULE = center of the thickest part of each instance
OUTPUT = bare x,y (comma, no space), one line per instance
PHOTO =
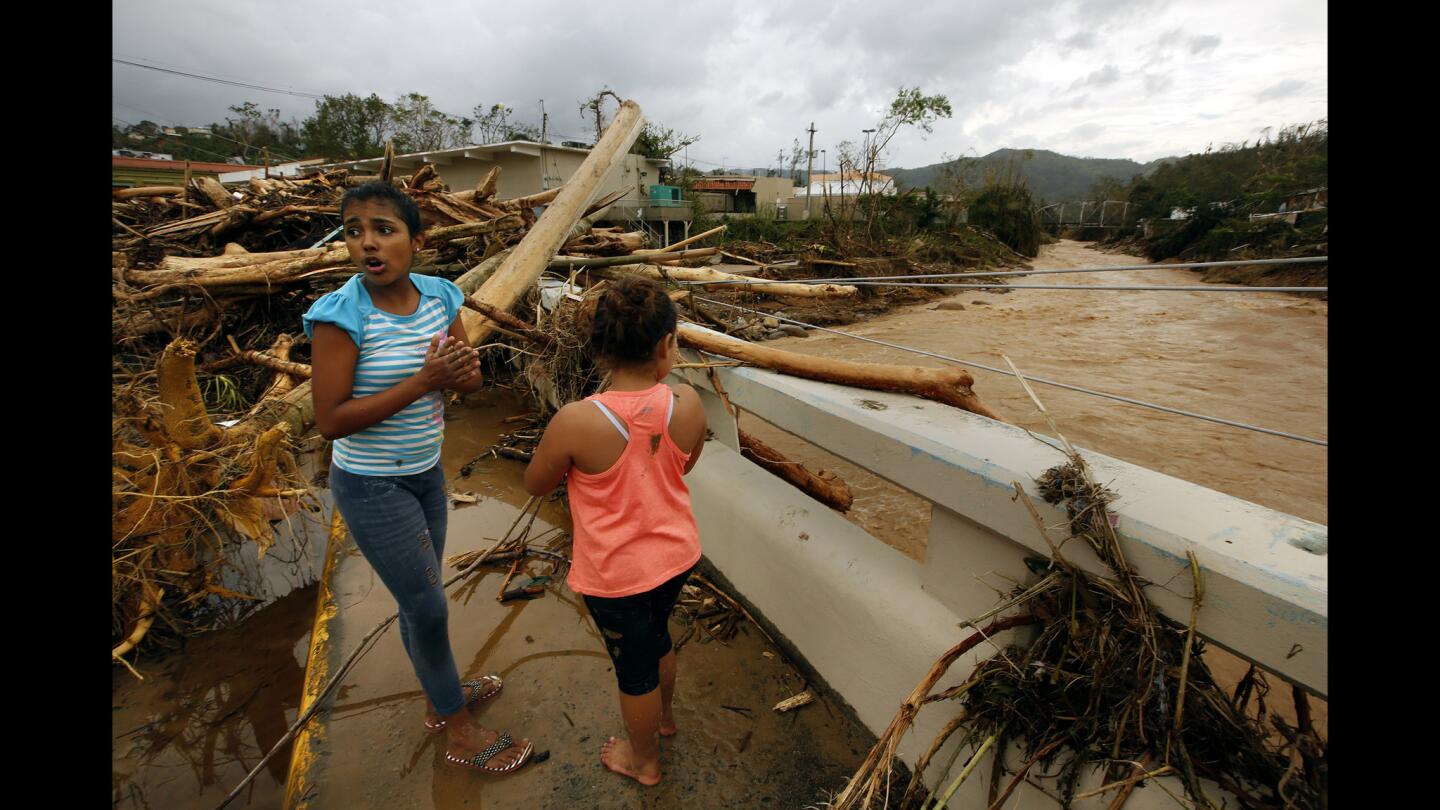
870,621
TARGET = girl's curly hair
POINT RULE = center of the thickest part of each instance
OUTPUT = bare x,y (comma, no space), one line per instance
630,317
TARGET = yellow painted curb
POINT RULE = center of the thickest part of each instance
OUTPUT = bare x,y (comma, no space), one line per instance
317,670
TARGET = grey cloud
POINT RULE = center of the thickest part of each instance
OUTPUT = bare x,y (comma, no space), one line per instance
771,98
748,78
1104,76
1158,83
1280,90
1084,132
1203,44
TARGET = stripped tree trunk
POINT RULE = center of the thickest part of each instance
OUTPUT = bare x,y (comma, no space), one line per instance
825,487
733,282
951,386
520,270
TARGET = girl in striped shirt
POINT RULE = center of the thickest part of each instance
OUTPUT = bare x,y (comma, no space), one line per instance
384,346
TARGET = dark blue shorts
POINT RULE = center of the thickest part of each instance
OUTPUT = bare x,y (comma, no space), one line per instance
636,630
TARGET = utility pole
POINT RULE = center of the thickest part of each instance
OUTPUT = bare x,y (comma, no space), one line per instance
544,162
809,164
869,161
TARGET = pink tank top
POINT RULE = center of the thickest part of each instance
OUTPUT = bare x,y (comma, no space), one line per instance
633,525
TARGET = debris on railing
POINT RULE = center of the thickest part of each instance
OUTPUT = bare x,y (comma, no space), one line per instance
1107,682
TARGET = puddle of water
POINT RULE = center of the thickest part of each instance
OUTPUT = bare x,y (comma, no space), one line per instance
202,718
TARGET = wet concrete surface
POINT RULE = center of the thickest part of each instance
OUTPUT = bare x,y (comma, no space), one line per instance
732,749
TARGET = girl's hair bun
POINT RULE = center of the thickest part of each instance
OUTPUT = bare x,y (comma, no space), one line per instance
631,316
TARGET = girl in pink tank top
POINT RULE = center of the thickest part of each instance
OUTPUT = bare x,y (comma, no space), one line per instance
626,451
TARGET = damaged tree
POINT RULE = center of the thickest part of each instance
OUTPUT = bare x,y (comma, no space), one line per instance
177,477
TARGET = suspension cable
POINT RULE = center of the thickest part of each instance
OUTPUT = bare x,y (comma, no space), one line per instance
1067,386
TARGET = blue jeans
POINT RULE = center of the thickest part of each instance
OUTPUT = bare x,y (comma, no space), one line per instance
398,521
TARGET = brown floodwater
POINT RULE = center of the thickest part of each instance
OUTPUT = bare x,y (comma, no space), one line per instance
1258,358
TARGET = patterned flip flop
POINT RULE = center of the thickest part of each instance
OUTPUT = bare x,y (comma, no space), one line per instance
501,743
473,694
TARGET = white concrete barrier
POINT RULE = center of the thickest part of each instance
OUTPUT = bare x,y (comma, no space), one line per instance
871,621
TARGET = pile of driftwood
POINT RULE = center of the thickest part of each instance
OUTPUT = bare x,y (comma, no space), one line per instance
211,383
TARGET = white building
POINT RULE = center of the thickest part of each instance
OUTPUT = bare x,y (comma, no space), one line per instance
840,184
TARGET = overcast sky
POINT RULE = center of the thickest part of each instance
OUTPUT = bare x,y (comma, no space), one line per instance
1137,79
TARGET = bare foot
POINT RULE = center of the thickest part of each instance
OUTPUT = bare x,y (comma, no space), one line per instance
619,757
667,724
471,739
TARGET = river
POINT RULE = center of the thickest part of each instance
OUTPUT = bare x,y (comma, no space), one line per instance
1252,357
1257,358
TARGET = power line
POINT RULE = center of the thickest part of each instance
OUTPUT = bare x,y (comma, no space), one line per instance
1067,386
1111,269
1093,287
186,145
211,133
246,85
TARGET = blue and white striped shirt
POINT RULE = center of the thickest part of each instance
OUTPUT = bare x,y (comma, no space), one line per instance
392,347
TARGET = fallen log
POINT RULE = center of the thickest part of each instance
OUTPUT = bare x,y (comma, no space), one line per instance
684,242
486,187
604,202
146,191
511,322
951,386
543,197
140,322
295,409
825,487
566,262
731,281
185,418
745,259
286,210
193,223
520,270
249,272
607,244
278,359
509,222
323,256
471,279
211,189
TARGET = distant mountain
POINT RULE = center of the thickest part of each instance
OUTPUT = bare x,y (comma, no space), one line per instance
1051,176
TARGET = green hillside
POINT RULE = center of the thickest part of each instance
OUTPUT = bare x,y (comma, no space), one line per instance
1052,177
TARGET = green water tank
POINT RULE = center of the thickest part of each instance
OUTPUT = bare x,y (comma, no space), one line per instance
662,196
